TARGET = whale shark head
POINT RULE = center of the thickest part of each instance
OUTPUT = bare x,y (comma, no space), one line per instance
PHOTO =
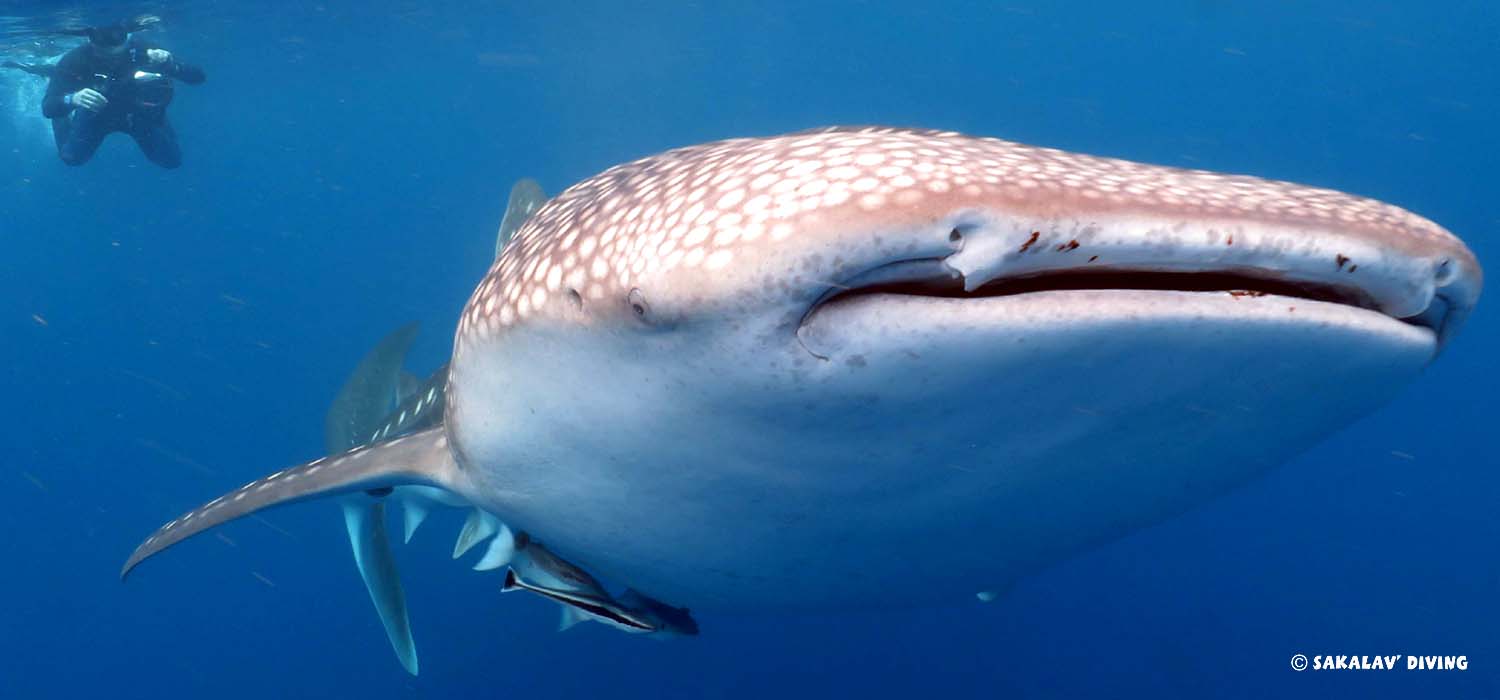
791,358
771,372
757,228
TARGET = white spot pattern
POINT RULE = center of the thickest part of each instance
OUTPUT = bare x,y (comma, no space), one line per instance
701,205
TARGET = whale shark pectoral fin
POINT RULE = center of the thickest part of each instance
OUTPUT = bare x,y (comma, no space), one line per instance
365,521
419,458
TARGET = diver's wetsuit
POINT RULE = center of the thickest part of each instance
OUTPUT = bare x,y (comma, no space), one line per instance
133,108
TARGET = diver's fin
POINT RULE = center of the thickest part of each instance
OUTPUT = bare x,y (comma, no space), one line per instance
413,512
570,616
526,196
501,550
477,527
420,458
365,521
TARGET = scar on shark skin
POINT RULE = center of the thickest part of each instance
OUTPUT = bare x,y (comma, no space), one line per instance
1027,245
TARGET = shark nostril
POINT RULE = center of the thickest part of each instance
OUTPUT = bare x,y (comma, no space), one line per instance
959,233
638,305
575,300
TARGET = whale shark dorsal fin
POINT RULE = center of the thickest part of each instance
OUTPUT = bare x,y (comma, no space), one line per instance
407,386
421,408
365,522
366,396
526,196
419,458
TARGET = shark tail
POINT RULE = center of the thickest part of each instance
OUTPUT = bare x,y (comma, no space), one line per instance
419,458
377,566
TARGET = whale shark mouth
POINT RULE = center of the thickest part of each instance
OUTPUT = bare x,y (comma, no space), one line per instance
934,277
1234,283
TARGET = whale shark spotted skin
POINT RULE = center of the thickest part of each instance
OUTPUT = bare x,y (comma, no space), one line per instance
757,373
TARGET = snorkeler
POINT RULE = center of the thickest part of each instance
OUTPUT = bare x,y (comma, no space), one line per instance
115,82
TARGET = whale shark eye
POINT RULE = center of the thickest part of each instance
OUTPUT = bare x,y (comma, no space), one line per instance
638,305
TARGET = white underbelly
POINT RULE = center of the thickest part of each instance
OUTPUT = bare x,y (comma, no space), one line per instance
907,468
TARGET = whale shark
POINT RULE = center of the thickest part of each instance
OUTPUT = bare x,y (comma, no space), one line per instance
762,373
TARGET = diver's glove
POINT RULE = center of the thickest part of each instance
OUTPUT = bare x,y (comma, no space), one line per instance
158,56
87,98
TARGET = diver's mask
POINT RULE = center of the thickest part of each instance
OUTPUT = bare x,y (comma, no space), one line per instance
111,40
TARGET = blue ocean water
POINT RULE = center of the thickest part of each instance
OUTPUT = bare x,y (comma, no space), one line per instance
167,335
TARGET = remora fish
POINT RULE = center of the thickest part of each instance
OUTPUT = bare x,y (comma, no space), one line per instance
748,374
582,597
